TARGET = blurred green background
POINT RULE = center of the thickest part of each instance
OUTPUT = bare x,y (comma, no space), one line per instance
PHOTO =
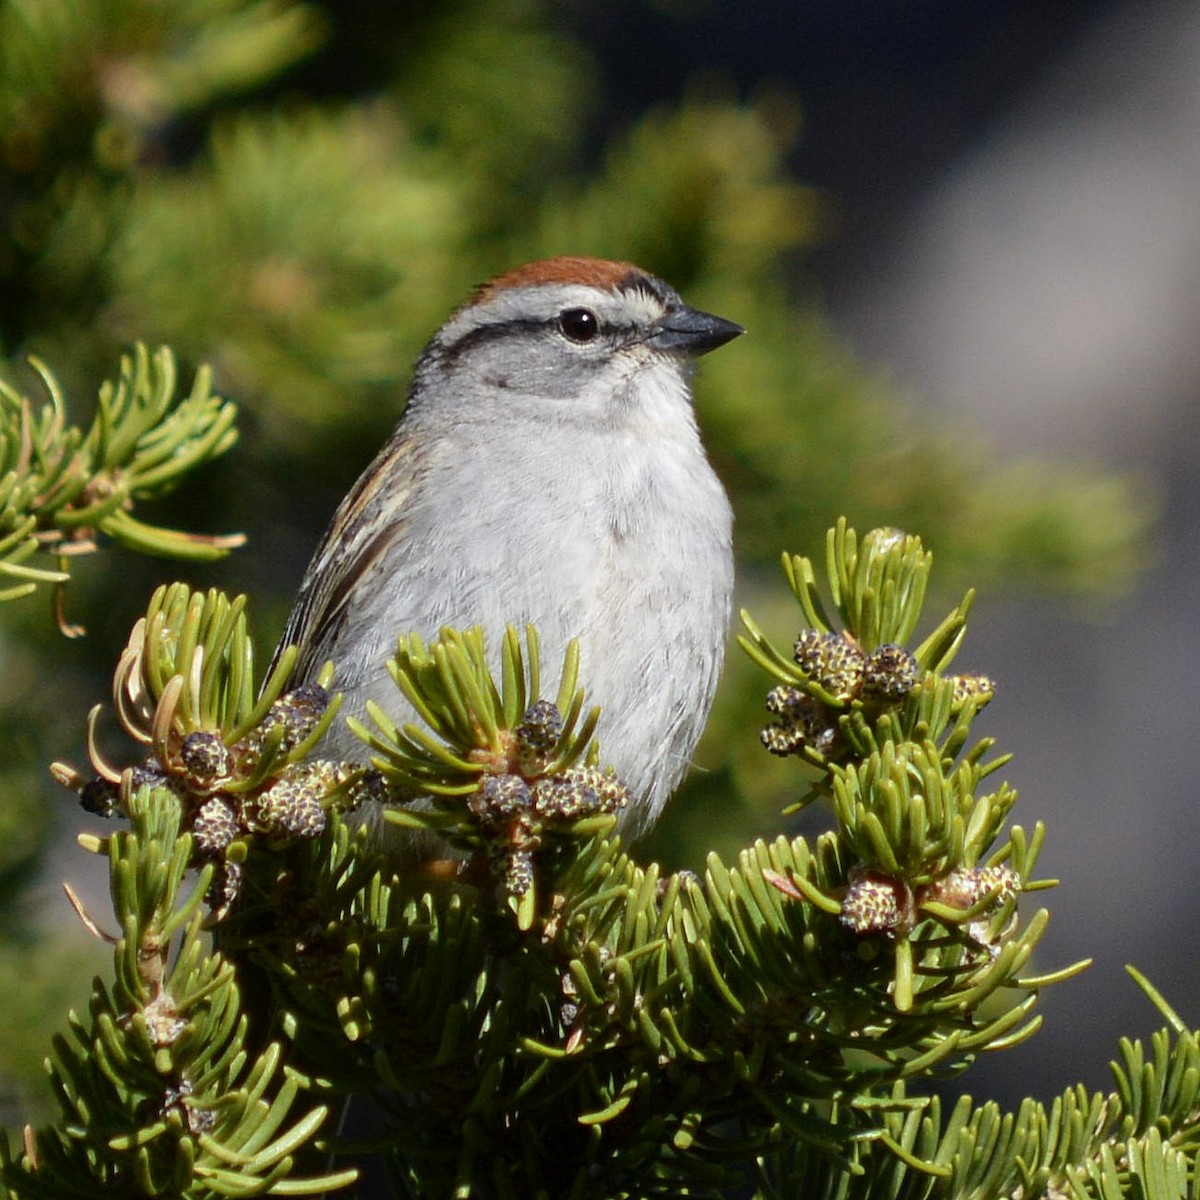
298,194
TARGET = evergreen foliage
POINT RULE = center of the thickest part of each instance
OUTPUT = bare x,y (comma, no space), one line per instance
599,1028
61,487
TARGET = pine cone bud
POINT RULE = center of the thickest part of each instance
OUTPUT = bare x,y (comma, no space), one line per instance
149,774
968,885
789,702
298,712
204,756
540,728
292,806
832,661
579,792
871,906
803,721
500,798
979,688
214,826
891,673
516,872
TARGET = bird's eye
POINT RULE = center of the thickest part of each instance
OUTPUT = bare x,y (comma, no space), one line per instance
579,324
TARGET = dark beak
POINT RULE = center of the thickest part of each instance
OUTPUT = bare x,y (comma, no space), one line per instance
686,330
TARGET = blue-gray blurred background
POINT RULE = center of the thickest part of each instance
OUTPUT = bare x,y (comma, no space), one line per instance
1016,242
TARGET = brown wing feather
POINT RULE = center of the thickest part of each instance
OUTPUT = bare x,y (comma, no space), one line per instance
358,536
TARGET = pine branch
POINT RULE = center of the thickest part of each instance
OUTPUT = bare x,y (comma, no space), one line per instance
170,1085
161,1090
553,1018
62,486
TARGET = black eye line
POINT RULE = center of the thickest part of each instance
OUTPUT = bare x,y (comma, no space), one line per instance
613,334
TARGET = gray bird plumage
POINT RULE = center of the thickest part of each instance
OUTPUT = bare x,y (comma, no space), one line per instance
547,469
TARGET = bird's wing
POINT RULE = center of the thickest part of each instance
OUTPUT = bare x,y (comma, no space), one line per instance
359,536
